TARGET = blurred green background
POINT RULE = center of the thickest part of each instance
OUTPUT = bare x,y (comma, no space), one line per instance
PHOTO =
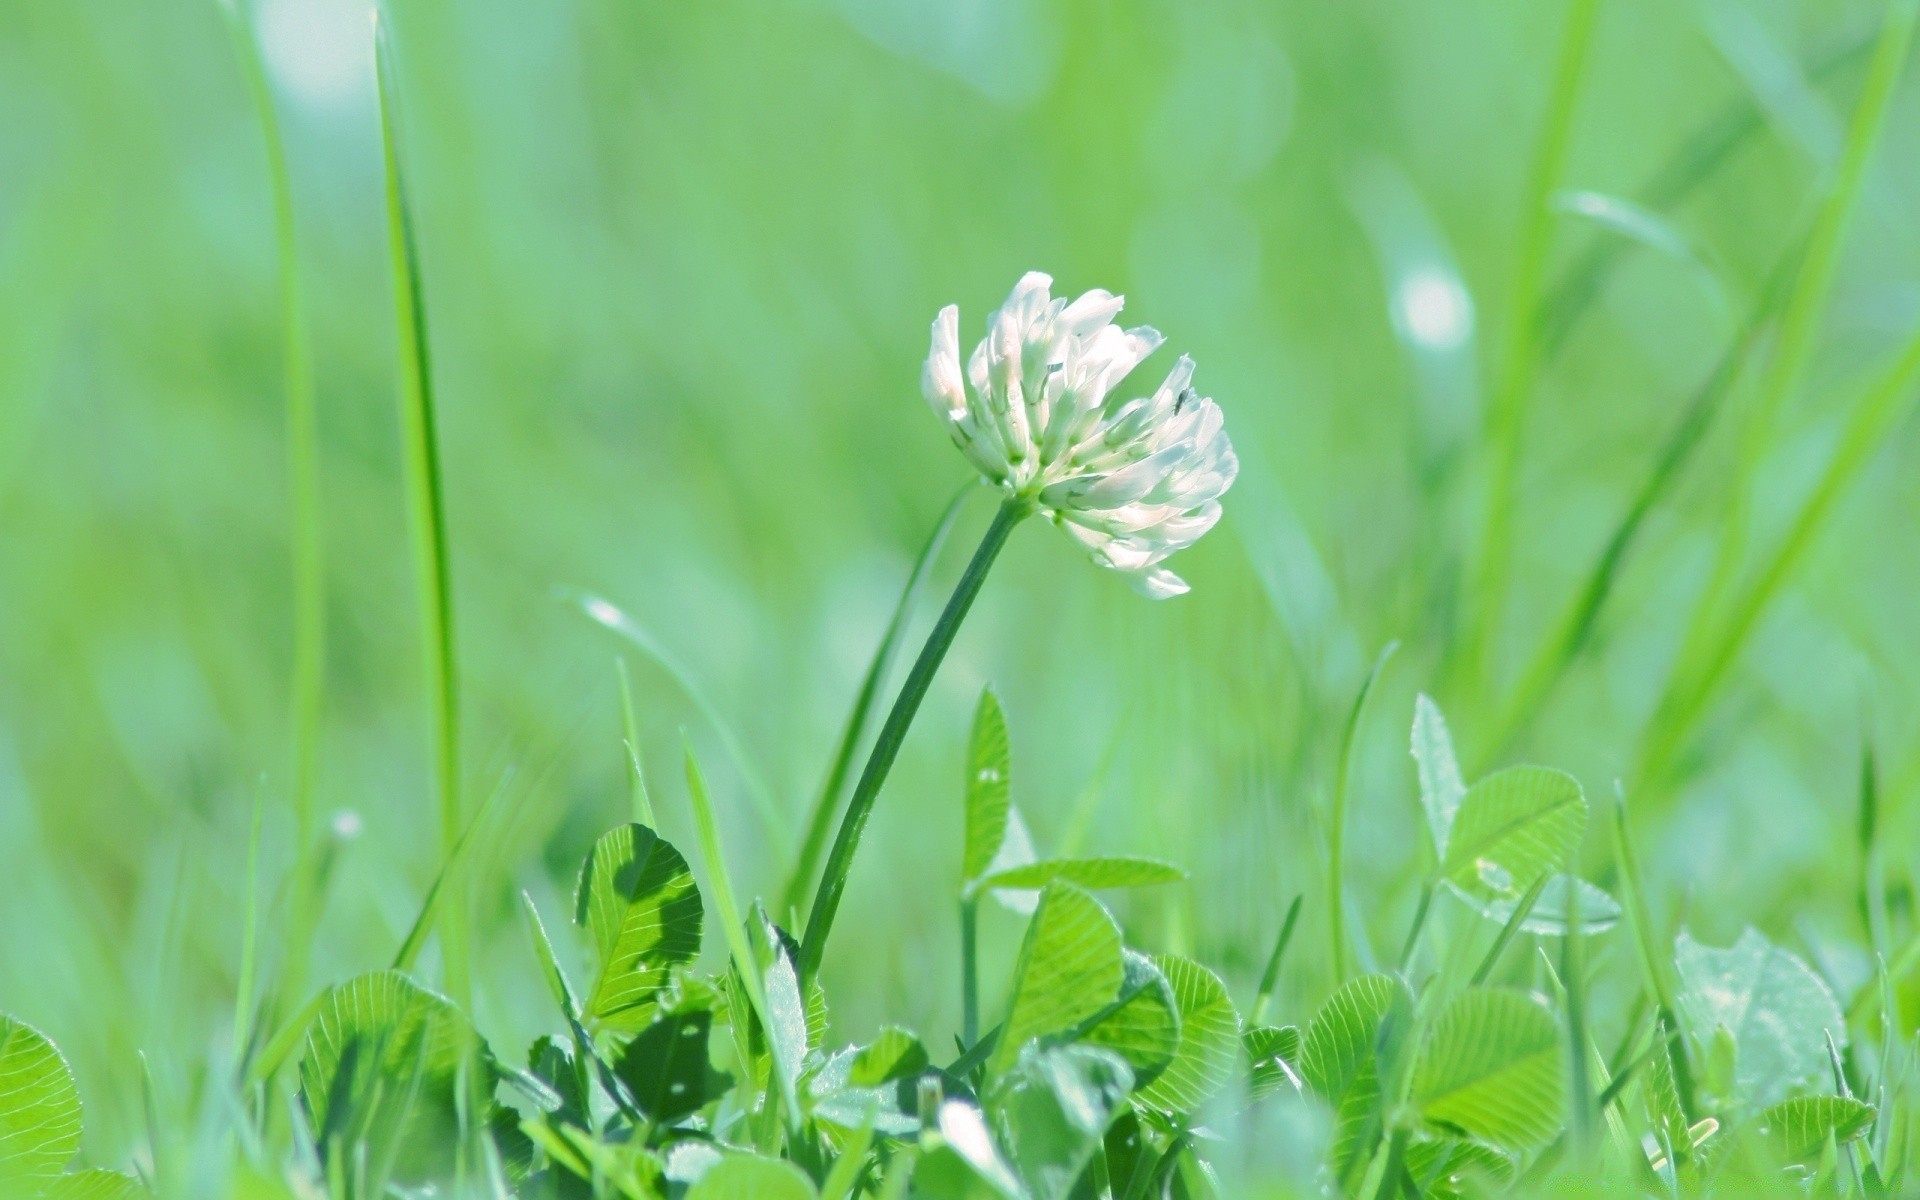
680,260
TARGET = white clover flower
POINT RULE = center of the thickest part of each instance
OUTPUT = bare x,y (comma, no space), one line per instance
1132,481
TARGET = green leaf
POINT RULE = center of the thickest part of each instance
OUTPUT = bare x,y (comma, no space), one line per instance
746,1177
988,772
1513,827
834,1097
382,1065
630,1170
39,1108
1273,1057
1116,872
1340,1058
1142,1025
1052,1111
1777,1010
1450,1168
666,1068
1209,1046
97,1185
1441,788
1798,1129
1598,912
786,1012
1070,969
895,1054
1493,1068
638,902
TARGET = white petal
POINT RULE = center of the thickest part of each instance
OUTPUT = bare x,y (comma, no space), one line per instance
1157,584
940,379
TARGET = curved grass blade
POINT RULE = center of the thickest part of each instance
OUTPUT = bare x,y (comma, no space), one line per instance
426,501
603,611
1520,356
860,719
1698,158
303,440
1270,978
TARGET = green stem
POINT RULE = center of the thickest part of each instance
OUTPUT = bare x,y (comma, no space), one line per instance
970,968
303,476
427,507
1520,357
860,719
886,747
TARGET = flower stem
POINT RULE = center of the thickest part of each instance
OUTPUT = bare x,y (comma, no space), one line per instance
833,882
970,968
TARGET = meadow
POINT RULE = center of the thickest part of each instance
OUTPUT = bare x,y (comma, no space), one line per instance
482,529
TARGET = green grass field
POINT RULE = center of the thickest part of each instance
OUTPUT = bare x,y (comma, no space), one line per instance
427,445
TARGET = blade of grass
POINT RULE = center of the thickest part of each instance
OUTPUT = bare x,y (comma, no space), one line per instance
1270,978
1659,967
302,424
1695,161
1520,356
840,1181
721,885
1572,632
1701,657
1418,927
426,504
827,804
243,1000
603,611
1337,823
1505,937
427,917
1873,419
636,770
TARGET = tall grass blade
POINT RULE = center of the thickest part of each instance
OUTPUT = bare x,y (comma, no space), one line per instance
1337,824
1872,421
1520,356
641,802
426,503
820,822
1574,629
303,438
720,883
450,868
1700,659
243,999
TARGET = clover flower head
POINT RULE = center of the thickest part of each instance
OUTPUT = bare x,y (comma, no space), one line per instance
1037,414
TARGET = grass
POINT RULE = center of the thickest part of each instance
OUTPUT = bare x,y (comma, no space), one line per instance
427,510
676,317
